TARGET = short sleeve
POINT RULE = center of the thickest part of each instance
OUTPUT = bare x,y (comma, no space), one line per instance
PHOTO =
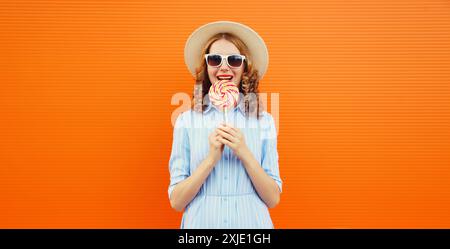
269,157
180,155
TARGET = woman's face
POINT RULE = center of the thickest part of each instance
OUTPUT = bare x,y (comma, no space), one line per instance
224,47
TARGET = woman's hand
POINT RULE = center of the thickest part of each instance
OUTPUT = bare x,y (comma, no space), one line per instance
233,138
215,146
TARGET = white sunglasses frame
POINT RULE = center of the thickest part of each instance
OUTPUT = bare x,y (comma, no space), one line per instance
224,57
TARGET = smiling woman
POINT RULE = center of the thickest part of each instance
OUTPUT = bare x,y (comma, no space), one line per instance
225,175
238,68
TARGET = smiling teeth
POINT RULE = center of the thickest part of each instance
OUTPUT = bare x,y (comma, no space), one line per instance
225,78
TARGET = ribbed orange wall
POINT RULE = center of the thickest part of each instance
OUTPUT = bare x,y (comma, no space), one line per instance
85,91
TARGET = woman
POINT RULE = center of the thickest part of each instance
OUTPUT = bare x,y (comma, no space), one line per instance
225,175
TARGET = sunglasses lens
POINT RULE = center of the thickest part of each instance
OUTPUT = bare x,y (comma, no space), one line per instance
214,60
235,60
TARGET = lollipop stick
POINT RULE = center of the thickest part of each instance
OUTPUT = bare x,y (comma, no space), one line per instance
225,116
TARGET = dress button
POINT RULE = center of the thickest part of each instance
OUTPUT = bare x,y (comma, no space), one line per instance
225,199
225,221
225,177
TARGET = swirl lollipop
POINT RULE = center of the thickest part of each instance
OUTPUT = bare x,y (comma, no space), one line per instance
225,95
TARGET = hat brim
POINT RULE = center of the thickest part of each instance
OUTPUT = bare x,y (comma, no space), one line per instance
197,40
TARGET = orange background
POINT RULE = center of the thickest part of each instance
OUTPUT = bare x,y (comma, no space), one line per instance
85,91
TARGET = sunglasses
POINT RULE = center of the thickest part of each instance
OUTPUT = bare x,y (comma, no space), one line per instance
233,60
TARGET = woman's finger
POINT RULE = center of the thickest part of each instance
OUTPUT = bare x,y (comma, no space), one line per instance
228,130
226,142
231,127
227,136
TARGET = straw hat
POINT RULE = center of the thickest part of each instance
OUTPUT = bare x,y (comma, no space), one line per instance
197,40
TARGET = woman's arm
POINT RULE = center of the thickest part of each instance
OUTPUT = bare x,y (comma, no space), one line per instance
265,185
186,190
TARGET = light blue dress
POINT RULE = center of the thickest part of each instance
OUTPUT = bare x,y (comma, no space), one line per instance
227,199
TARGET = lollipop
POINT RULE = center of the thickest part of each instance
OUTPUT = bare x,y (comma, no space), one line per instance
225,95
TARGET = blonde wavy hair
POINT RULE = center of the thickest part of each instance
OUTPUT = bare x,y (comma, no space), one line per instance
248,87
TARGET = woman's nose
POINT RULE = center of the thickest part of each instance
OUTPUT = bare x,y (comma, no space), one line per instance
224,66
